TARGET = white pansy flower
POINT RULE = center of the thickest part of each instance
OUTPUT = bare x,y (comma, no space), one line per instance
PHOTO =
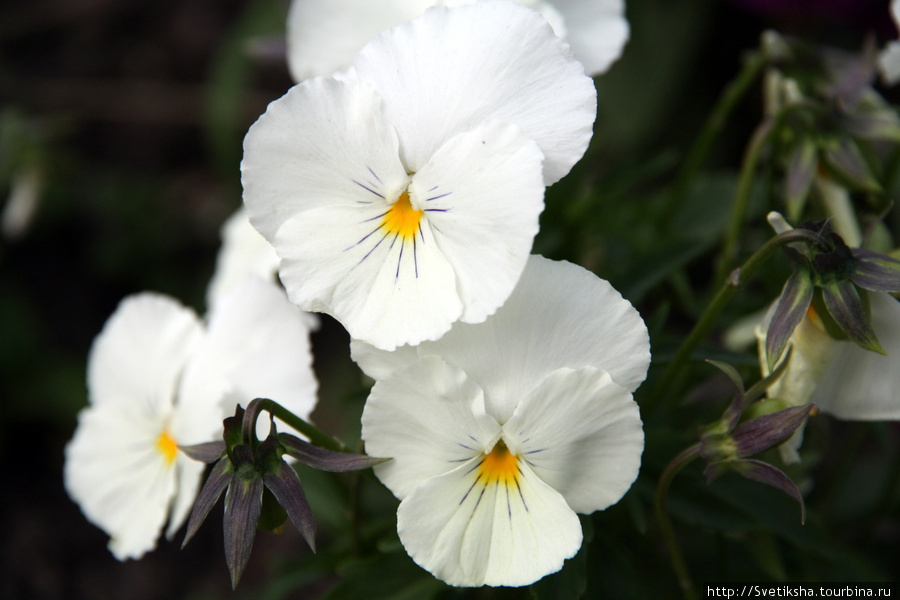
500,432
324,35
889,59
405,196
159,378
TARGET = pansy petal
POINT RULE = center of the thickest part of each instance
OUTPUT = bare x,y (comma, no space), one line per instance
189,476
244,251
257,346
889,63
324,143
470,531
141,351
429,418
378,364
580,418
559,315
596,30
450,70
482,193
117,474
860,385
324,35
384,288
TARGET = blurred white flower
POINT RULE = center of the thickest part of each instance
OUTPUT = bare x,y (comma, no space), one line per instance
889,60
244,252
159,378
501,432
324,35
405,195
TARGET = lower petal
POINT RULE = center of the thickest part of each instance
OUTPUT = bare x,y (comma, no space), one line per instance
384,289
859,385
471,533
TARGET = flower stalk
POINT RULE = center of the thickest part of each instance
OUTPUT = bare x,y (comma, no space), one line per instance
669,379
683,459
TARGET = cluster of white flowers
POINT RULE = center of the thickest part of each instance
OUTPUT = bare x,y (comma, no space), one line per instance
401,195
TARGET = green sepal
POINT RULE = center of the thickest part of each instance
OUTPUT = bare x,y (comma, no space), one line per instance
847,308
789,311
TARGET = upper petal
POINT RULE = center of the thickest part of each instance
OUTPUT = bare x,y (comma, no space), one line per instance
582,435
257,346
384,288
559,315
324,143
324,35
482,193
450,70
429,418
596,30
469,531
141,351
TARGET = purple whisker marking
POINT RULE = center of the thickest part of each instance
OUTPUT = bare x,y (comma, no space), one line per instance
534,451
364,238
437,197
373,247
367,188
480,496
415,258
377,217
521,495
475,466
399,259
464,446
434,188
466,495
436,210
374,174
508,506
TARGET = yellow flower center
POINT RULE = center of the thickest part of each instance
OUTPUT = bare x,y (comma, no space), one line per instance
500,466
402,219
813,316
167,447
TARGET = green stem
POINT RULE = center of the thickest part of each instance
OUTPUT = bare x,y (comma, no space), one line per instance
316,436
718,303
742,199
696,157
665,523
